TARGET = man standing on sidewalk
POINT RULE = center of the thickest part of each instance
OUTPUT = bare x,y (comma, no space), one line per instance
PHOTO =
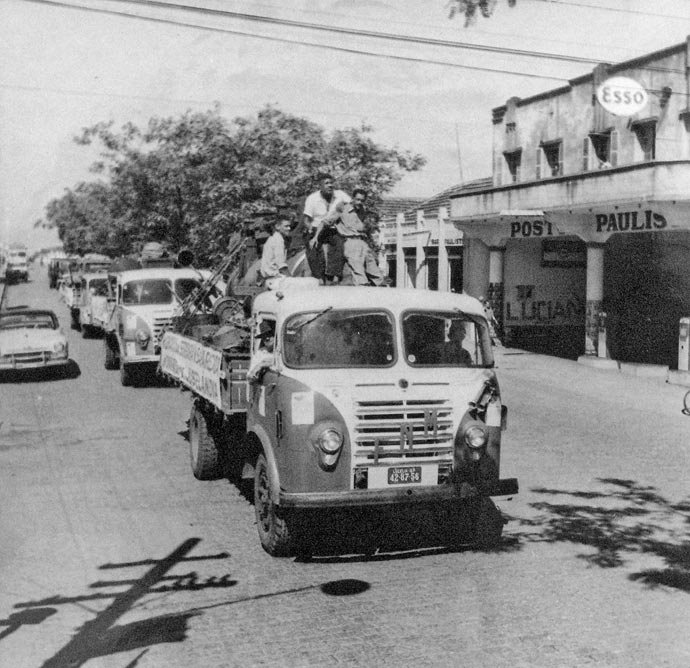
360,261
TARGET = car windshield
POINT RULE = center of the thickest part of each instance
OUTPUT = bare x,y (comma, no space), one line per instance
156,290
28,321
339,339
445,338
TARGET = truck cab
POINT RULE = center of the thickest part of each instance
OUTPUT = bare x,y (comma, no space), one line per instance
17,267
143,303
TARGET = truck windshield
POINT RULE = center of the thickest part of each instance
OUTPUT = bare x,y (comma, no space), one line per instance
339,339
147,291
445,338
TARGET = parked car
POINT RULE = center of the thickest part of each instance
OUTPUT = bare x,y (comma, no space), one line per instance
31,339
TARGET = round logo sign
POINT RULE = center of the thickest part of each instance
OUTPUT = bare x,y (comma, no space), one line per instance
622,96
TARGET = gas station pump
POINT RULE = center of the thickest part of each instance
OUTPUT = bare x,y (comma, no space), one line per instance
684,344
602,347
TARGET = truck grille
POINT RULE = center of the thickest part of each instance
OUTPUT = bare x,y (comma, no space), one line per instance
160,326
405,428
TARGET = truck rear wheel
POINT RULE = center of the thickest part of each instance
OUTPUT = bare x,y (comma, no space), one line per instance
203,453
126,374
273,529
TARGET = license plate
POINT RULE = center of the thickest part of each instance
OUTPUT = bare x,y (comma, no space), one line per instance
404,475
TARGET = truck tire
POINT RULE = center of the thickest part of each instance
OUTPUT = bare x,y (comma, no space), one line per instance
86,331
488,523
273,529
111,360
126,374
203,453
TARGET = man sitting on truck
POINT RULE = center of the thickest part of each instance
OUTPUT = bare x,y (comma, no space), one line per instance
274,255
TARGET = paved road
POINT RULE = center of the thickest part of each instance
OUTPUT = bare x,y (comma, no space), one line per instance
113,555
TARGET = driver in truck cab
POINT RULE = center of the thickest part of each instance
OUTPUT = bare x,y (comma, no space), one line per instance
264,357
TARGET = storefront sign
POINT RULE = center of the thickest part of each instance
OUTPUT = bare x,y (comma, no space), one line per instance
622,96
530,228
630,221
195,365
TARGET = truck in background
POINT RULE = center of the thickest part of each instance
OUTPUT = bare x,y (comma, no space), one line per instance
17,263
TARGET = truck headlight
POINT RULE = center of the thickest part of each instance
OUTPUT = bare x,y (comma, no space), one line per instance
475,436
142,337
59,347
329,442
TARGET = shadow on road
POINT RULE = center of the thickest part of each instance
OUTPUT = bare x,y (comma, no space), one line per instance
69,371
102,636
623,520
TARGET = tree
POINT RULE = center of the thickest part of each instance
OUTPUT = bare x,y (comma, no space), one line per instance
193,181
471,8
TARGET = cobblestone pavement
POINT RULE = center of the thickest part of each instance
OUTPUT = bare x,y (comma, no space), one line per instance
113,555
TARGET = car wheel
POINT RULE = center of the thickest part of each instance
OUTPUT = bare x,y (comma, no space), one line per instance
111,360
273,529
203,453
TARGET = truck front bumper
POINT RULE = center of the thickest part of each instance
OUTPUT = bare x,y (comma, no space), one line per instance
399,495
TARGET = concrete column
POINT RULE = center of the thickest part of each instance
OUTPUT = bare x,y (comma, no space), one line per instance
595,296
399,251
420,280
443,268
496,294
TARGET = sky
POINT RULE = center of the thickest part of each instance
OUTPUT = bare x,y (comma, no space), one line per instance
424,82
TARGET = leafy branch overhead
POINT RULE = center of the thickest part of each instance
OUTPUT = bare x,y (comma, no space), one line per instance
193,180
470,9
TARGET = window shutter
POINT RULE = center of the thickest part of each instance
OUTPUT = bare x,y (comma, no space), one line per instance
538,163
613,148
560,159
585,154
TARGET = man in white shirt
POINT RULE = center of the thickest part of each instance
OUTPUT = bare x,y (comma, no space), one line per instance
274,254
323,246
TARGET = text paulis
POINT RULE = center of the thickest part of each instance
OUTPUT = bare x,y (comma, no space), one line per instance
630,221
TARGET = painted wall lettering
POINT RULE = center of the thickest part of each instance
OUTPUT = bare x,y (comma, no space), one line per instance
553,311
531,228
630,221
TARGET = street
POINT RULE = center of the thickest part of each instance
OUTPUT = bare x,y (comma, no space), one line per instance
113,555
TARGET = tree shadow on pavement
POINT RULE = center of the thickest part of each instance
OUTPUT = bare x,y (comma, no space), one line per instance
624,520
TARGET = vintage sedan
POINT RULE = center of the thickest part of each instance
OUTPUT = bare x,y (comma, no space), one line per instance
31,339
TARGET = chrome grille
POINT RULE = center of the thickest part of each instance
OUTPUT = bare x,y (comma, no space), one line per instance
405,428
34,357
160,326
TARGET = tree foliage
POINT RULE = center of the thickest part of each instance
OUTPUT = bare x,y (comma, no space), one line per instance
470,9
193,180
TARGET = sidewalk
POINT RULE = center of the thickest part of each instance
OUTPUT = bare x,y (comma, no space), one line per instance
516,358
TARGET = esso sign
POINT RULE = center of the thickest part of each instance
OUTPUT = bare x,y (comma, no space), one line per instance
622,96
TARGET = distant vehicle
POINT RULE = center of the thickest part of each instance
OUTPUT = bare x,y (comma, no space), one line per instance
94,263
17,267
31,339
144,302
94,307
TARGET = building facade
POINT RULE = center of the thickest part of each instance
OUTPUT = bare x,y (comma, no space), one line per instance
582,237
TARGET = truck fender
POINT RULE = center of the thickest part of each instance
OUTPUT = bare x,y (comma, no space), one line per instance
260,434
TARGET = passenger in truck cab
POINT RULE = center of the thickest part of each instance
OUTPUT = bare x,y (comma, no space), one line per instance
450,350
263,357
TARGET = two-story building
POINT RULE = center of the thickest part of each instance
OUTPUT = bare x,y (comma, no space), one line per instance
587,213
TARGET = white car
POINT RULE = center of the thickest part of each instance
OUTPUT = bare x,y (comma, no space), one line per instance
31,339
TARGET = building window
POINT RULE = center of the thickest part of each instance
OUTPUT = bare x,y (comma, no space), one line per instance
498,170
550,159
601,150
645,147
512,161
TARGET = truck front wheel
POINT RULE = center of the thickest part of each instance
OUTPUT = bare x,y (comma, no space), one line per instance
488,523
111,360
203,453
126,374
273,529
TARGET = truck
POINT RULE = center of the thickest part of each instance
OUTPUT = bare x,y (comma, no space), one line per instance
16,266
94,307
142,303
352,409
